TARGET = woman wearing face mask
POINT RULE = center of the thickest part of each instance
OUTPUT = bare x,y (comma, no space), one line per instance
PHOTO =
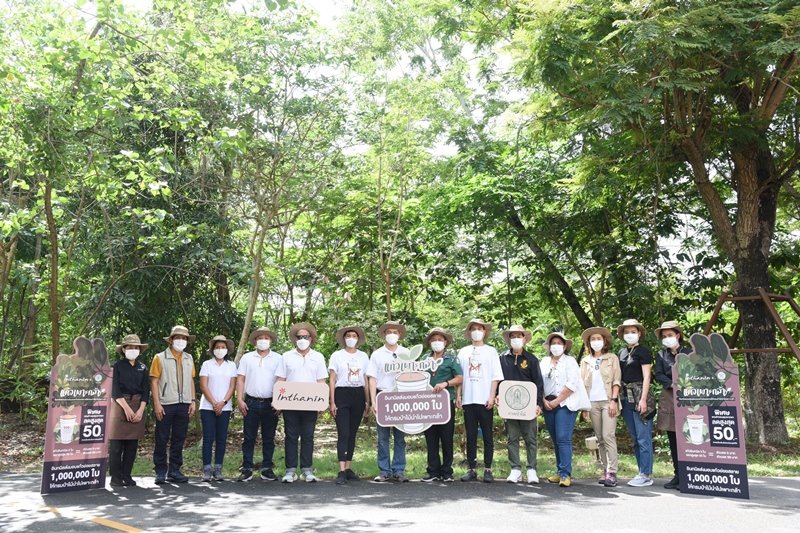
602,377
560,375
447,376
130,390
636,363
217,383
671,336
349,396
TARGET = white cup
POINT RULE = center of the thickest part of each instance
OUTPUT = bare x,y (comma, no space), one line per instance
66,424
695,428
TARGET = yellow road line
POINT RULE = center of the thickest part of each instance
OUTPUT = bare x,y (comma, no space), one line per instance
119,526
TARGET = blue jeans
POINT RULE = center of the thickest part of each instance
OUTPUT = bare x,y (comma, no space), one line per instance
398,463
259,415
215,430
642,436
560,422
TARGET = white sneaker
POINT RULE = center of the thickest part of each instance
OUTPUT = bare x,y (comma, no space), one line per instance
289,477
515,476
532,477
309,476
641,480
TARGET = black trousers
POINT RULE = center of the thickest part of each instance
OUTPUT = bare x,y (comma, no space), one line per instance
673,450
299,426
350,404
441,435
121,456
171,429
475,415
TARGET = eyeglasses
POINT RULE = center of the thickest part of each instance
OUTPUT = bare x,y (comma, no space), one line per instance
306,337
597,365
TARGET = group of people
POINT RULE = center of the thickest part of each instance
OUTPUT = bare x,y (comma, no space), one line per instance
602,385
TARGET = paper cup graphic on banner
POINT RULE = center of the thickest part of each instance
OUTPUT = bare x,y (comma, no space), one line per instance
66,426
697,428
411,382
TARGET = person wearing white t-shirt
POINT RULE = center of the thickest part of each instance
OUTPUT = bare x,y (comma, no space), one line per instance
256,379
302,365
349,396
217,384
390,466
482,372
602,378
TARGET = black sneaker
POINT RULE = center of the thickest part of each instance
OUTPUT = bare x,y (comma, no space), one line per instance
177,477
117,482
448,478
128,481
341,478
161,479
487,476
268,475
470,475
672,483
351,476
246,475
430,478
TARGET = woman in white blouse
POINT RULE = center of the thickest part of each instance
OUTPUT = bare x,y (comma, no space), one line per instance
349,395
561,375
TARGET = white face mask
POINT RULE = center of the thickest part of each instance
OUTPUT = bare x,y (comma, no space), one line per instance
131,354
303,344
392,338
219,353
179,345
631,338
437,346
263,344
597,346
517,343
476,334
669,342
557,350
351,342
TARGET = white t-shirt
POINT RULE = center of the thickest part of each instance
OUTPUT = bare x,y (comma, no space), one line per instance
304,369
350,368
219,381
565,374
259,373
376,368
481,366
598,391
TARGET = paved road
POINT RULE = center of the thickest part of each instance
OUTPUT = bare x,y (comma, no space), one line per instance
366,506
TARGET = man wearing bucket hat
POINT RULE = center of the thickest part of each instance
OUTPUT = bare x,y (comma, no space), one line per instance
447,376
255,380
217,384
671,336
390,466
636,363
477,395
349,395
304,365
130,390
172,386
518,364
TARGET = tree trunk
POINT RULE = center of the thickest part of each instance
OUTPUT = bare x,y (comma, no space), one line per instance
52,237
255,288
550,268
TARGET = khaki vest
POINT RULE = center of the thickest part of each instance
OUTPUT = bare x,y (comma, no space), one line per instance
168,382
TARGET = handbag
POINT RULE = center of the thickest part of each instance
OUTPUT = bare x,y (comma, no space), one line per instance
579,399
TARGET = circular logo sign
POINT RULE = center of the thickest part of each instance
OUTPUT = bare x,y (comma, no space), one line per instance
517,397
